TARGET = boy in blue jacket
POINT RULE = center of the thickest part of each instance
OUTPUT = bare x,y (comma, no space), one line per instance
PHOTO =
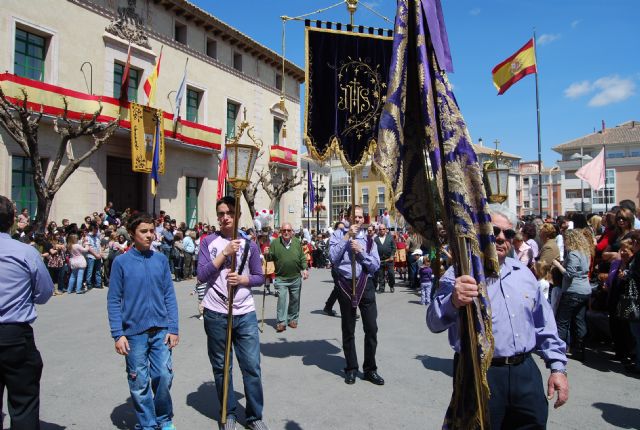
143,315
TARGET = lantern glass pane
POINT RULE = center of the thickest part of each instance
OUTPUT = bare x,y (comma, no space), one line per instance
504,178
493,182
244,158
231,161
252,161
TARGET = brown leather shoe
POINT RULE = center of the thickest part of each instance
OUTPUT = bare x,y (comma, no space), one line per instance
280,328
293,324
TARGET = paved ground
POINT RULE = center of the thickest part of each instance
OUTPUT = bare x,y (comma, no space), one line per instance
84,383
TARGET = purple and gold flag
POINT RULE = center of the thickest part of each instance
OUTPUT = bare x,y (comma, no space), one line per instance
423,138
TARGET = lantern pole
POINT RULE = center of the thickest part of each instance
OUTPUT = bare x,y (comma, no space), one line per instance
238,184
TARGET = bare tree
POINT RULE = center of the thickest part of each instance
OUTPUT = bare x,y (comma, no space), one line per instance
22,124
249,194
276,184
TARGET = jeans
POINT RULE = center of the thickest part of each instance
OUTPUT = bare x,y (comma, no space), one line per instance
425,294
246,343
412,265
94,267
150,373
386,270
76,280
167,253
572,311
288,291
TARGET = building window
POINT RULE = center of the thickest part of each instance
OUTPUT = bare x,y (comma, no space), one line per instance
22,190
192,202
615,154
193,104
180,33
365,198
525,181
278,81
607,195
526,204
232,116
570,174
134,80
572,194
277,128
634,153
29,55
237,61
380,195
212,48
365,172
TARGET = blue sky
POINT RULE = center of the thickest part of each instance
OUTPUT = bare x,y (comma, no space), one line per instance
588,60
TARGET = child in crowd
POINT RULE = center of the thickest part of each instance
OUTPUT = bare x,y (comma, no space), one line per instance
543,273
426,279
143,316
200,289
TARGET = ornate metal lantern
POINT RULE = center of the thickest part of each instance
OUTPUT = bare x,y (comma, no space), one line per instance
242,157
496,178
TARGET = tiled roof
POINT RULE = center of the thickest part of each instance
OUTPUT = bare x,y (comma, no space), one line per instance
625,133
481,149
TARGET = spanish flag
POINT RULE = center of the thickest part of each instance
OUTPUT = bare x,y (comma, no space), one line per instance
514,68
152,81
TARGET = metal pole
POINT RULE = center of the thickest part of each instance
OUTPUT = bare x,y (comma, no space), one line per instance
230,296
317,205
582,183
539,137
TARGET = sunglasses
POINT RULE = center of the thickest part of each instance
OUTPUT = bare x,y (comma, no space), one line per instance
509,234
284,230
620,219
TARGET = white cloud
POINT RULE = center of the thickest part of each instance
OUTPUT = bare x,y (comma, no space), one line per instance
612,89
546,38
374,4
475,11
608,90
577,89
575,23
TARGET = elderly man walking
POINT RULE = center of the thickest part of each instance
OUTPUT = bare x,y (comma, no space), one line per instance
291,267
24,283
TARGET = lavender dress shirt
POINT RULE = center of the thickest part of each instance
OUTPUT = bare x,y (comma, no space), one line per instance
521,317
24,281
340,255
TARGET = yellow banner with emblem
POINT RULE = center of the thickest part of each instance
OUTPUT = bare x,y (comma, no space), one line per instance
143,121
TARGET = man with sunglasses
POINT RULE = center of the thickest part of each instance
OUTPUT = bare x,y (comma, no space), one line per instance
291,267
214,268
522,322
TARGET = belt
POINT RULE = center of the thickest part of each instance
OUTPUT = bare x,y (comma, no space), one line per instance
514,360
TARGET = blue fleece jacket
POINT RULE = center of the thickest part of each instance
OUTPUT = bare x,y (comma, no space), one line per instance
141,294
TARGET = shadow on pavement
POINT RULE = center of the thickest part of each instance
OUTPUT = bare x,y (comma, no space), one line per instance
321,312
601,360
320,353
444,365
123,416
50,426
619,416
292,425
205,401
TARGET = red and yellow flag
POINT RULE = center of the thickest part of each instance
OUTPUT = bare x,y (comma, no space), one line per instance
152,81
514,68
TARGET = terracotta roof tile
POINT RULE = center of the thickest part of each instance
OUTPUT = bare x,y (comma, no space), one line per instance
628,132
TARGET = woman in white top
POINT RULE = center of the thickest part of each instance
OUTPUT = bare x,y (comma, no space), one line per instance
77,263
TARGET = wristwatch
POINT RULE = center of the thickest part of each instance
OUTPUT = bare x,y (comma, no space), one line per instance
563,371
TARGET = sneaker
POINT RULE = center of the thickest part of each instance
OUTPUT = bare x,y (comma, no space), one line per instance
257,425
168,426
201,317
230,425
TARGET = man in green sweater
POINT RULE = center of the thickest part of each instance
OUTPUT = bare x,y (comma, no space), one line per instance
291,267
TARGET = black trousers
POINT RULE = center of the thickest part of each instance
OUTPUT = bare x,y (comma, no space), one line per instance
333,297
369,313
572,312
386,271
517,400
20,371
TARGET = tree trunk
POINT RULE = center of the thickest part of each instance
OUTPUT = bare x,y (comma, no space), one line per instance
42,214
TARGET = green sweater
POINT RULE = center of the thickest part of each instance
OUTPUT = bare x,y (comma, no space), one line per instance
289,262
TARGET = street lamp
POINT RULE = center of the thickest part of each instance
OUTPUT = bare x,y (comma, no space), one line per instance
241,159
496,174
581,157
319,198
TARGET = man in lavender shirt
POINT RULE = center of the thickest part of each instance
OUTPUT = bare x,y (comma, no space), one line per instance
214,269
523,323
24,283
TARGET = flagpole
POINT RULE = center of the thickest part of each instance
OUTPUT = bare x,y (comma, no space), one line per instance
535,55
604,148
